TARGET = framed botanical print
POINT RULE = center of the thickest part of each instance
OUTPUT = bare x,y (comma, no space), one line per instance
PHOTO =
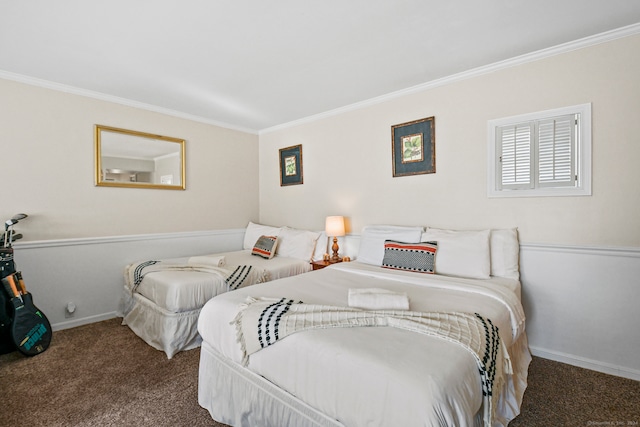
291,165
413,147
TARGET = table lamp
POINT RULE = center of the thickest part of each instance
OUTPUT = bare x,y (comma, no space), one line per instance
334,227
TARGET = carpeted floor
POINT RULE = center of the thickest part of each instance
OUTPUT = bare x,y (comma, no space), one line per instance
103,375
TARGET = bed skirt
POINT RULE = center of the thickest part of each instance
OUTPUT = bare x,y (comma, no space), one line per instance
236,396
161,329
513,391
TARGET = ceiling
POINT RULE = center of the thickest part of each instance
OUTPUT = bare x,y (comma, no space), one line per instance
255,64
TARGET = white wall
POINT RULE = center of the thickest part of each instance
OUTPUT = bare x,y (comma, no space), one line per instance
47,170
582,306
89,272
580,302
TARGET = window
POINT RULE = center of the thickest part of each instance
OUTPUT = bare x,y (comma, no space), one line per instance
541,154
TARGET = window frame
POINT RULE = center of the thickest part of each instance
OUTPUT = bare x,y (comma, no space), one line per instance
582,155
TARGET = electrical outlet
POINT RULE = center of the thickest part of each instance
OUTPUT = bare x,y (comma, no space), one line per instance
70,310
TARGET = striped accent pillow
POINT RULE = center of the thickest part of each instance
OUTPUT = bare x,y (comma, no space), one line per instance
418,257
265,247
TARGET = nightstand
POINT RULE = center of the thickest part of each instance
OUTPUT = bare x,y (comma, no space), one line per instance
319,265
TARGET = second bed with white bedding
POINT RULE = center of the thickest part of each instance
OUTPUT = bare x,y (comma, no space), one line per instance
179,290
162,299
163,308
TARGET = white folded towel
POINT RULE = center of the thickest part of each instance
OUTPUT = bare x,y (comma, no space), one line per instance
378,299
207,260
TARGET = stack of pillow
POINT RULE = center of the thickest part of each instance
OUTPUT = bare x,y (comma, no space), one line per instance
267,241
471,254
475,254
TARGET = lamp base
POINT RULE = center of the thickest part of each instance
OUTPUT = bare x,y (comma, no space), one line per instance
335,257
333,260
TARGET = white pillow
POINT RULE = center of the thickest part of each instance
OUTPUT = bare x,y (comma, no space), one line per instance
373,237
322,247
254,231
298,244
461,253
505,253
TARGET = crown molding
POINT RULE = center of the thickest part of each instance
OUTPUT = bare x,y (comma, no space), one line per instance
46,84
585,42
615,34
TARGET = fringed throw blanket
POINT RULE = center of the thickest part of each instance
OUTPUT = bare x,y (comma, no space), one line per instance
234,276
262,322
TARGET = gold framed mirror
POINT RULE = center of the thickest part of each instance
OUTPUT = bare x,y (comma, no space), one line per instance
128,158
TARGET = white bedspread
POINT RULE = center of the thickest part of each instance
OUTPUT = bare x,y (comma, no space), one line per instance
182,291
165,307
378,376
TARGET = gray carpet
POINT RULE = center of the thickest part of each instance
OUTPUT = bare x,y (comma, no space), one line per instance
104,375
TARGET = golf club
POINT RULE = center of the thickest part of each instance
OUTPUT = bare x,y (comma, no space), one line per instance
8,227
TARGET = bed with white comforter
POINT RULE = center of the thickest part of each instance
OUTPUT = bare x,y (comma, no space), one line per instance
162,299
163,308
364,376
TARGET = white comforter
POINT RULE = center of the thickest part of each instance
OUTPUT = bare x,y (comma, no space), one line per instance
378,375
165,306
182,291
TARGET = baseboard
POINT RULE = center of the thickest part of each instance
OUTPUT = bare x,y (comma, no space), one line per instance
582,362
82,321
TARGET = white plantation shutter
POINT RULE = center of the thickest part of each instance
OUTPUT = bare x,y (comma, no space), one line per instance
541,154
556,151
514,156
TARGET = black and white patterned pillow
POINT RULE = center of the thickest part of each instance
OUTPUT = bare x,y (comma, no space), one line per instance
265,247
418,257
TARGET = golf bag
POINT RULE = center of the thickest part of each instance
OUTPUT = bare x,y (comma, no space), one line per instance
7,267
23,326
6,344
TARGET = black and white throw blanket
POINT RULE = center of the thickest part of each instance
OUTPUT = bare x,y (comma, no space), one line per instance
234,277
262,322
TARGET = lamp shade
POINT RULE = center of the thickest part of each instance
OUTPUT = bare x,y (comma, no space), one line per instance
334,226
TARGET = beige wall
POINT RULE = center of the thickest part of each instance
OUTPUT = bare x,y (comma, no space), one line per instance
347,157
47,161
47,170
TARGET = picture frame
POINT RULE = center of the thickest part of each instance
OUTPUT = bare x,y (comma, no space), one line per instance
291,165
413,147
